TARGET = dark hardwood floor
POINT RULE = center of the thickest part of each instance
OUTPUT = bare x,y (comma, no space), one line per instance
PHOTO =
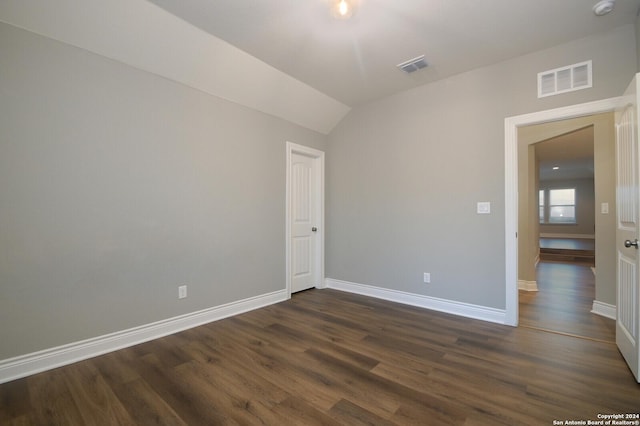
327,357
564,302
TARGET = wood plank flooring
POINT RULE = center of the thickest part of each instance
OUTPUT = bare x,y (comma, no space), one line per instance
564,302
332,358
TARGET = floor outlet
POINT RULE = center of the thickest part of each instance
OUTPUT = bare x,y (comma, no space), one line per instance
182,292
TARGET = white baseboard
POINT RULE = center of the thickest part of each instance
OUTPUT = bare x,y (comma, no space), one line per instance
36,362
527,285
580,236
604,309
449,306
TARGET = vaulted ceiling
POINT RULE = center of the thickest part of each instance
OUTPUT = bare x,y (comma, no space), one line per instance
291,59
354,61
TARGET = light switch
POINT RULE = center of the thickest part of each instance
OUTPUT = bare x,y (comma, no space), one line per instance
484,207
604,208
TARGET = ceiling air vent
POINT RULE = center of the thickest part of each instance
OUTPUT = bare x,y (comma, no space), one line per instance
565,79
413,65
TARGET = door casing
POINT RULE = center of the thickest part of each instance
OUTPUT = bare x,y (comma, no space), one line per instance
511,125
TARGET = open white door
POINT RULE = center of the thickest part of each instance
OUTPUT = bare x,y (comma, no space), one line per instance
627,232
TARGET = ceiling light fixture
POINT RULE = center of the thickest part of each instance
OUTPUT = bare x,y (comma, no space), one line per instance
603,7
556,168
342,9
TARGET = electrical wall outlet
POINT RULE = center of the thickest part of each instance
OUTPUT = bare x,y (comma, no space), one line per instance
182,292
427,277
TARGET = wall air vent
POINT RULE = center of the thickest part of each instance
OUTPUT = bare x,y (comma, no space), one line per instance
565,79
413,65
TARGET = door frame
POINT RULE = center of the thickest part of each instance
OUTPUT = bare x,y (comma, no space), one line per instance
318,157
511,125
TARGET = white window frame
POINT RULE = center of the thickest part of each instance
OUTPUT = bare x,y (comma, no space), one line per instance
547,206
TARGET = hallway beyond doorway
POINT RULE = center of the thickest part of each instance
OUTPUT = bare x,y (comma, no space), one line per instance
563,303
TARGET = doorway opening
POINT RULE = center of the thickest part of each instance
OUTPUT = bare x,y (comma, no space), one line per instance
557,282
513,176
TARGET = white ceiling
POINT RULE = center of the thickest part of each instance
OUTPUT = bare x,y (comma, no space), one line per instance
571,152
355,61
144,36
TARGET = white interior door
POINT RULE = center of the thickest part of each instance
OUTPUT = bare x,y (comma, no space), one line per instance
305,217
627,233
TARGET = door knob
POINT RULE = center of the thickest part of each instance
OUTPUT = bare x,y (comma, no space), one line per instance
314,229
629,243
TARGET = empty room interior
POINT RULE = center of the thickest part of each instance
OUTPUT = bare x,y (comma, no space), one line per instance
319,212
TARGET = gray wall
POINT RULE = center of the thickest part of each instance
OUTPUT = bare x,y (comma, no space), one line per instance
404,173
116,186
585,207
638,42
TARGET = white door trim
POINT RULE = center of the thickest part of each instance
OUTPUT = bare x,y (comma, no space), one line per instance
318,157
511,125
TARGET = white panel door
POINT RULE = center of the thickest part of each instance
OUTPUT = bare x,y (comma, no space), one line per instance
304,227
628,220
